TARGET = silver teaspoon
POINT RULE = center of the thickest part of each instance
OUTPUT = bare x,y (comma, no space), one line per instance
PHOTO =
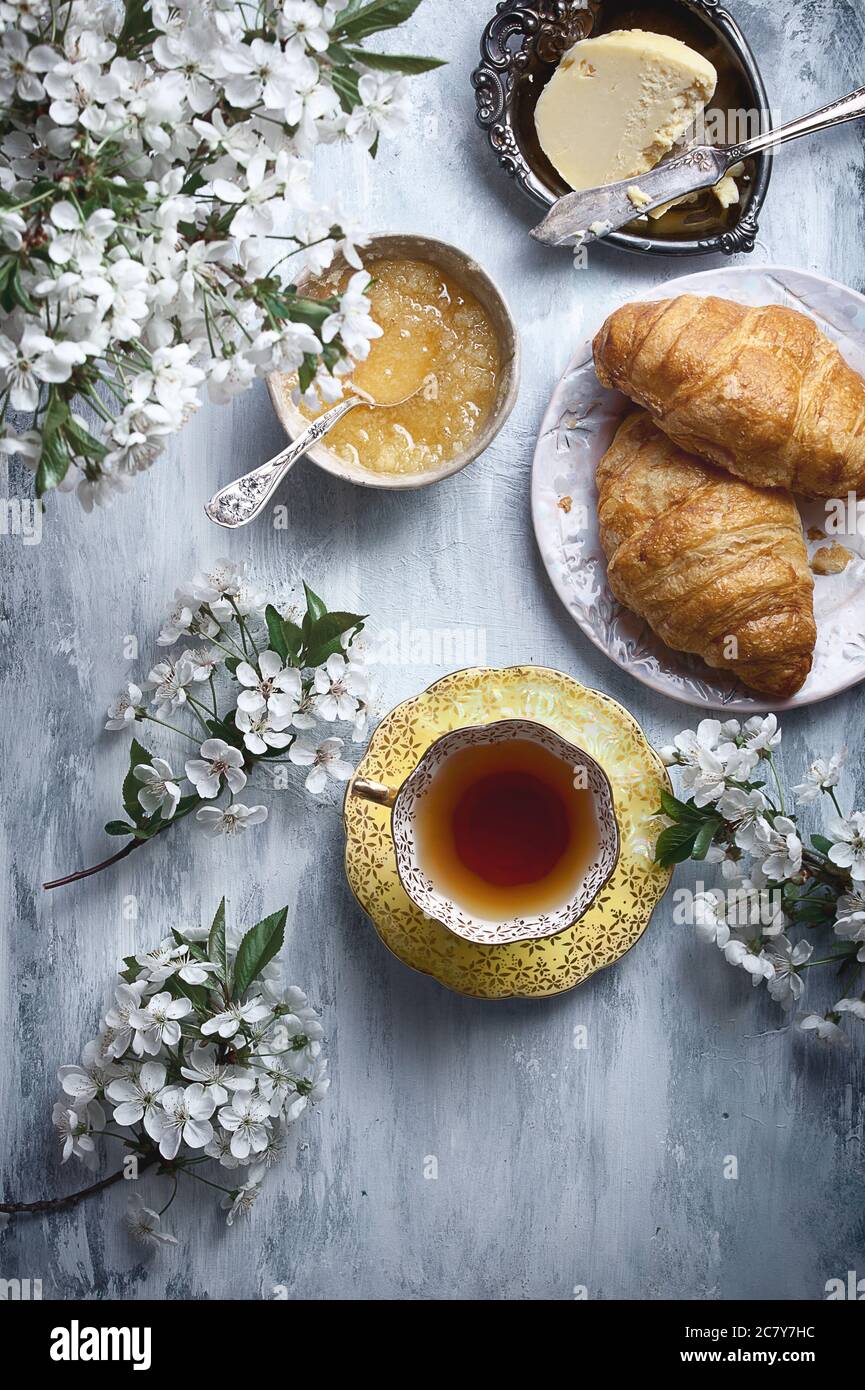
241,501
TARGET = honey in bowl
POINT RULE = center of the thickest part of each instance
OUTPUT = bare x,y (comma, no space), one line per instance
503,831
436,337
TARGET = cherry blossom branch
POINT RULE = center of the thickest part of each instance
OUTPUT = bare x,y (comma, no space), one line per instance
73,1198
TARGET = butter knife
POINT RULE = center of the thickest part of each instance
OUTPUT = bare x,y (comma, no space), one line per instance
592,213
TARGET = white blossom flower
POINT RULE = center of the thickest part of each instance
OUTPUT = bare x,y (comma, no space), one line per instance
184,1117
780,844
156,1023
179,622
169,958
708,759
118,1020
218,1078
160,791
352,321
848,847
728,856
824,1028
302,25
35,359
262,730
856,1007
850,921
75,1129
241,1202
79,239
204,663
820,777
168,680
756,963
709,920
217,585
786,985
259,73
271,686
744,810
339,688
314,1088
218,759
233,819
123,712
79,1084
323,761
230,1021
247,1120
383,111
139,1098
761,733
145,1224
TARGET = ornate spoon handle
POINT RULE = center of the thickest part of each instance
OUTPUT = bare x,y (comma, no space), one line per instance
848,108
241,501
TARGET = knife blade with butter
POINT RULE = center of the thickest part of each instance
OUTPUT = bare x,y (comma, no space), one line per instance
583,217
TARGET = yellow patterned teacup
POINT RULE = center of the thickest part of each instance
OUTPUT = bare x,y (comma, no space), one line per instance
406,803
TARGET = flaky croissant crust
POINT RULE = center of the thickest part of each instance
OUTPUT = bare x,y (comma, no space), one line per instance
761,392
704,558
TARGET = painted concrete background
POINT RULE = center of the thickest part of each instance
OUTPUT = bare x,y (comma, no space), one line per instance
556,1167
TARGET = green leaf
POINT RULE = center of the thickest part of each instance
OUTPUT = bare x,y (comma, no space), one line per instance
359,20
311,312
680,810
275,632
217,948
704,837
813,910
260,944
83,441
56,414
132,971
53,467
396,62
306,371
345,82
315,606
675,844
131,786
821,843
232,663
293,638
119,827
324,636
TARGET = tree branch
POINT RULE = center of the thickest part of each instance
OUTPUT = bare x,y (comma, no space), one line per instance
95,869
58,1203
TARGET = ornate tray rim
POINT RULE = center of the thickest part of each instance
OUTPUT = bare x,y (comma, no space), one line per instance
492,83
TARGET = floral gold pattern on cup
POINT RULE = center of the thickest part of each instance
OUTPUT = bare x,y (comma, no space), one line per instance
427,895
621,911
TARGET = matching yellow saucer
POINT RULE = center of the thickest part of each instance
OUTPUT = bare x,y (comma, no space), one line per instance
619,915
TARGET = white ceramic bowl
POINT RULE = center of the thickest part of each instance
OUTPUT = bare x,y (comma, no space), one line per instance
468,273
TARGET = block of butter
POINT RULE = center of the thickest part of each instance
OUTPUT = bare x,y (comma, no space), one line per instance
617,103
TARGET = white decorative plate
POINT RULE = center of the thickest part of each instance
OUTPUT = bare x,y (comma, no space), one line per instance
578,428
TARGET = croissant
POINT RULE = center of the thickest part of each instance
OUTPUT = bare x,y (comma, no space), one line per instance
714,565
761,392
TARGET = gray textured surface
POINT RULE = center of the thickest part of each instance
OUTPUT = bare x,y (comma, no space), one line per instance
556,1167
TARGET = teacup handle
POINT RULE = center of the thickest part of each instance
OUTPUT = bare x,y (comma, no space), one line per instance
373,791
